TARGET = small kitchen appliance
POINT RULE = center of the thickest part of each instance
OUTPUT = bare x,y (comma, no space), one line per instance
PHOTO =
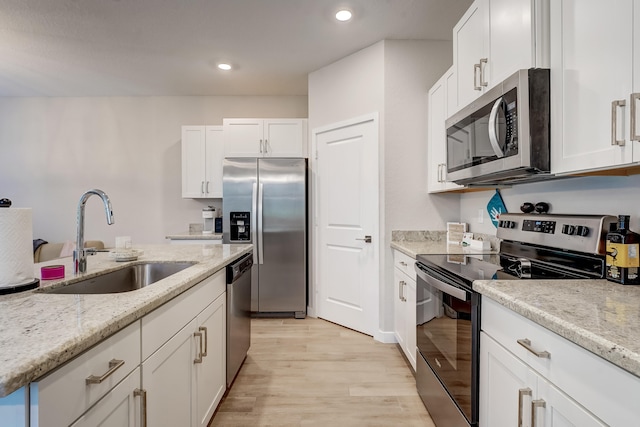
208,216
533,246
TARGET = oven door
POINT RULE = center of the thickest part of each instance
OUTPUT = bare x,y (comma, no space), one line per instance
448,334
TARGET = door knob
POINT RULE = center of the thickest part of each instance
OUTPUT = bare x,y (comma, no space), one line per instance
367,239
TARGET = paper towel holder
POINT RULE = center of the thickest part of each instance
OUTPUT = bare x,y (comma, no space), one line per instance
9,289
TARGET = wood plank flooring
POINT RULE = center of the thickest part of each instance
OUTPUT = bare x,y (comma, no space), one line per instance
314,373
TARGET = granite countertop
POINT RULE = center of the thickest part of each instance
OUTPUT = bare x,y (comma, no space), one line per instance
40,331
414,243
600,316
194,235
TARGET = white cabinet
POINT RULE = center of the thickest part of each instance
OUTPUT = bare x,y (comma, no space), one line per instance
592,81
525,367
512,394
405,305
121,407
62,396
210,374
439,98
202,155
184,355
13,408
265,137
494,39
182,347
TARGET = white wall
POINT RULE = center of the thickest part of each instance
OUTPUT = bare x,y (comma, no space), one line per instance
391,78
586,195
54,149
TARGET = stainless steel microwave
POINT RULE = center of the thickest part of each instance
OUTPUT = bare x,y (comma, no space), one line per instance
503,136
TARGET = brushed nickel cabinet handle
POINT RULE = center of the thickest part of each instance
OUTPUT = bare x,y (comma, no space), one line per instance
635,132
476,69
614,122
521,394
142,393
266,146
535,404
260,146
402,263
198,358
400,290
114,364
482,80
206,339
207,187
202,187
527,344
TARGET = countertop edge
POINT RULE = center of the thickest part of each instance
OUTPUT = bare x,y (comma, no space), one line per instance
196,236
598,345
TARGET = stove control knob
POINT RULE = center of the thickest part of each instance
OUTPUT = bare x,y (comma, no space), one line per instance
582,230
568,229
511,224
501,224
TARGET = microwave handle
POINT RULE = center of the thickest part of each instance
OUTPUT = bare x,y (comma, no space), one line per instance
493,132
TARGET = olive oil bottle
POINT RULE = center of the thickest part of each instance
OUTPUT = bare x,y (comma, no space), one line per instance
623,257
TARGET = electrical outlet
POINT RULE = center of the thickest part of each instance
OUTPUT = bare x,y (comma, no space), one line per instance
480,216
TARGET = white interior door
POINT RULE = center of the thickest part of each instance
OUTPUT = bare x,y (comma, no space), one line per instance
347,187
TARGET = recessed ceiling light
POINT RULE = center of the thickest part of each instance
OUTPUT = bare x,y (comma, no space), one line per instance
224,67
343,15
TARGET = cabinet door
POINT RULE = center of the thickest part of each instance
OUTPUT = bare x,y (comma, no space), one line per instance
439,106
560,410
635,98
410,322
210,374
506,386
214,156
468,49
119,408
243,137
193,165
167,378
511,36
399,308
285,138
590,69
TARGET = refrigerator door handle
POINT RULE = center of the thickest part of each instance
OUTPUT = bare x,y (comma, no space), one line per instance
254,201
260,216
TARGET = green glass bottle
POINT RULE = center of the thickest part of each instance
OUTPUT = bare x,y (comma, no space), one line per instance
623,257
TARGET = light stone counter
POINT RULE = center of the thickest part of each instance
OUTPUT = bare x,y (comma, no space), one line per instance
41,331
600,316
414,243
194,235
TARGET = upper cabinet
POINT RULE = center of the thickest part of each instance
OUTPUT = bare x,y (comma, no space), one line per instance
495,38
595,84
441,98
265,137
202,154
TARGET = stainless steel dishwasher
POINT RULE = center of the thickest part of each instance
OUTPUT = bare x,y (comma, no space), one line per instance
238,314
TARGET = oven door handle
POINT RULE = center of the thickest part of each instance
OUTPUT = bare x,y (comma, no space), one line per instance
461,294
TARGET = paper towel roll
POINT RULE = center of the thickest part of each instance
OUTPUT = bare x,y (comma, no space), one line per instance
16,247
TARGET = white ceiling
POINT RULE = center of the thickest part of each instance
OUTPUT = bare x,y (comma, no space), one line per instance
171,47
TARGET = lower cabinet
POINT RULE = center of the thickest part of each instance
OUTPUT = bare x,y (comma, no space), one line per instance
169,368
532,377
512,394
404,306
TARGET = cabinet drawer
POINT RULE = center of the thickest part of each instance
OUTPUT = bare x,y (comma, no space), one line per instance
165,321
607,391
404,263
63,395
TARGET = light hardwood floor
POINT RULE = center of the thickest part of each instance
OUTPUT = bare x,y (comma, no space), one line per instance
314,373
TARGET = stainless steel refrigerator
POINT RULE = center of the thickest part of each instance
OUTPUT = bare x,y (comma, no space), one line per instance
265,203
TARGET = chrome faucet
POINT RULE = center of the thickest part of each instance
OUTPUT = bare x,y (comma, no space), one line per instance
80,253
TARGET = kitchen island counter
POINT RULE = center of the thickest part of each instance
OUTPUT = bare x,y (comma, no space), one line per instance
41,331
598,315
